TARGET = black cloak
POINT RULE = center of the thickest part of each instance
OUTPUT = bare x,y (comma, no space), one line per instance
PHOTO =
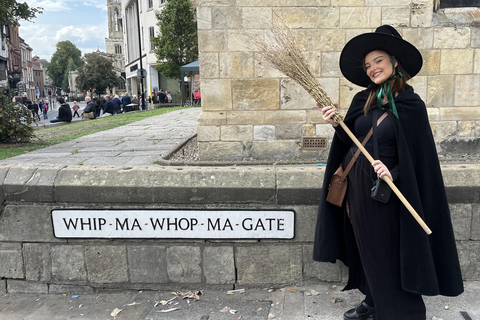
429,263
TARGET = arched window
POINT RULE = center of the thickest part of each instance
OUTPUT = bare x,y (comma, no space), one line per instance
116,20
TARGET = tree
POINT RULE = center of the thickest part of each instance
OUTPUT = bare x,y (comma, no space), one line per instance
66,56
11,12
16,121
177,44
97,73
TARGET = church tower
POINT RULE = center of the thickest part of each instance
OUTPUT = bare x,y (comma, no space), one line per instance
114,42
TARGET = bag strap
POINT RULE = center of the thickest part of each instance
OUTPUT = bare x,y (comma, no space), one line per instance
364,142
375,136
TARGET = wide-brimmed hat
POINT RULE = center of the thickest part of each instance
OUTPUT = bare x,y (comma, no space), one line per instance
385,38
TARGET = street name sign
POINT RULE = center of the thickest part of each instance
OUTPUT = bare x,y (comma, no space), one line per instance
198,224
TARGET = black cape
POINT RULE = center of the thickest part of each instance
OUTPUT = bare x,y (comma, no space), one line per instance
429,263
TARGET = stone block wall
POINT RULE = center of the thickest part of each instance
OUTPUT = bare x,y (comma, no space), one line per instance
32,259
252,111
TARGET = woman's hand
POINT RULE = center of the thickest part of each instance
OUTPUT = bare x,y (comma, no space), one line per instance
381,169
328,112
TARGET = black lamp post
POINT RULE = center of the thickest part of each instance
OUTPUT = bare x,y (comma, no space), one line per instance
142,101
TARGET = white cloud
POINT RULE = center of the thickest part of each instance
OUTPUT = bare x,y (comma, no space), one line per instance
81,34
96,4
49,5
43,41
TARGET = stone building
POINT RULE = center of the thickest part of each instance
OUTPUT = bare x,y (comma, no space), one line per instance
39,77
114,43
252,111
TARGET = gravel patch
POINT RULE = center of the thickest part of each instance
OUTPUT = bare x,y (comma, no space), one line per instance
187,153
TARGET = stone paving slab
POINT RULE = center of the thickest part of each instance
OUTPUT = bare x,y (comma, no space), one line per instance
147,140
321,301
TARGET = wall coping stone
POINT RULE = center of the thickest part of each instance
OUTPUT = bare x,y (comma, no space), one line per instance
275,184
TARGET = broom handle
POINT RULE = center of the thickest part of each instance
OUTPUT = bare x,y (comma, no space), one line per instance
386,179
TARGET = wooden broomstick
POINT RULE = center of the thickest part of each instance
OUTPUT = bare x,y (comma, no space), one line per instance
281,51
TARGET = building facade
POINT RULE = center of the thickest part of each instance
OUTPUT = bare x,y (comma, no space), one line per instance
38,77
4,60
139,52
252,111
27,69
14,58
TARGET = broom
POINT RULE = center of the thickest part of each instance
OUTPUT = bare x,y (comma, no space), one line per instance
282,52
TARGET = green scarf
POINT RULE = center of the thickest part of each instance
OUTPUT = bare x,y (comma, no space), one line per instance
386,90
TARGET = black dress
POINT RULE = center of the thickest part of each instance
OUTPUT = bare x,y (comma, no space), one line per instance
376,227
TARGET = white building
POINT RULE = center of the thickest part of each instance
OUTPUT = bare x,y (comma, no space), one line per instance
148,29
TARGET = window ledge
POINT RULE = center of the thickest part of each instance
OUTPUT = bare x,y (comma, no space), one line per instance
457,17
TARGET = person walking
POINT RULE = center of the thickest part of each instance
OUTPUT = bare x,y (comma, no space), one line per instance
75,108
44,107
35,108
390,258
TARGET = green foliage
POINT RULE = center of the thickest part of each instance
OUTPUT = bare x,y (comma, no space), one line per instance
177,44
97,73
66,57
11,12
15,121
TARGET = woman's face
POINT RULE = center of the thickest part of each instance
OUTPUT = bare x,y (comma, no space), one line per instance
378,66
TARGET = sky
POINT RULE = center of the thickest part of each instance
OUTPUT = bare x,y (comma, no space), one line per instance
83,22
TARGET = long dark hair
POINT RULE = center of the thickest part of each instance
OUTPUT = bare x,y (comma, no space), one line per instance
397,86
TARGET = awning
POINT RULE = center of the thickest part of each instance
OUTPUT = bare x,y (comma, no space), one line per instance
191,68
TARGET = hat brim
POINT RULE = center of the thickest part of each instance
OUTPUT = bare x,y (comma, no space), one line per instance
351,58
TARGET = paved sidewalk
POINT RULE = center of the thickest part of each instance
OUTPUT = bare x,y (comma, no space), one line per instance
138,143
316,302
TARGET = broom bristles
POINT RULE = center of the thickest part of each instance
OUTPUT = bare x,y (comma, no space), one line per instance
282,53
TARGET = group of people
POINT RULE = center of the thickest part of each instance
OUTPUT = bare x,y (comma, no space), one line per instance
35,107
161,97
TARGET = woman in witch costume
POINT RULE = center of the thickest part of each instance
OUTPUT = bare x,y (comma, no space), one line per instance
390,257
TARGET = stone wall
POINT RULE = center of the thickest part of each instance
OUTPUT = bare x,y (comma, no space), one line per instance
32,259
251,111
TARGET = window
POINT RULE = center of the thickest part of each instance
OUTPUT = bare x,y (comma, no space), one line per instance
150,4
441,4
116,20
162,1
118,49
152,34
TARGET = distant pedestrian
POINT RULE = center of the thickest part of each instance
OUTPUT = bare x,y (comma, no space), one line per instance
44,108
135,102
64,112
35,108
98,105
161,96
75,109
168,99
109,108
89,111
118,106
126,100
